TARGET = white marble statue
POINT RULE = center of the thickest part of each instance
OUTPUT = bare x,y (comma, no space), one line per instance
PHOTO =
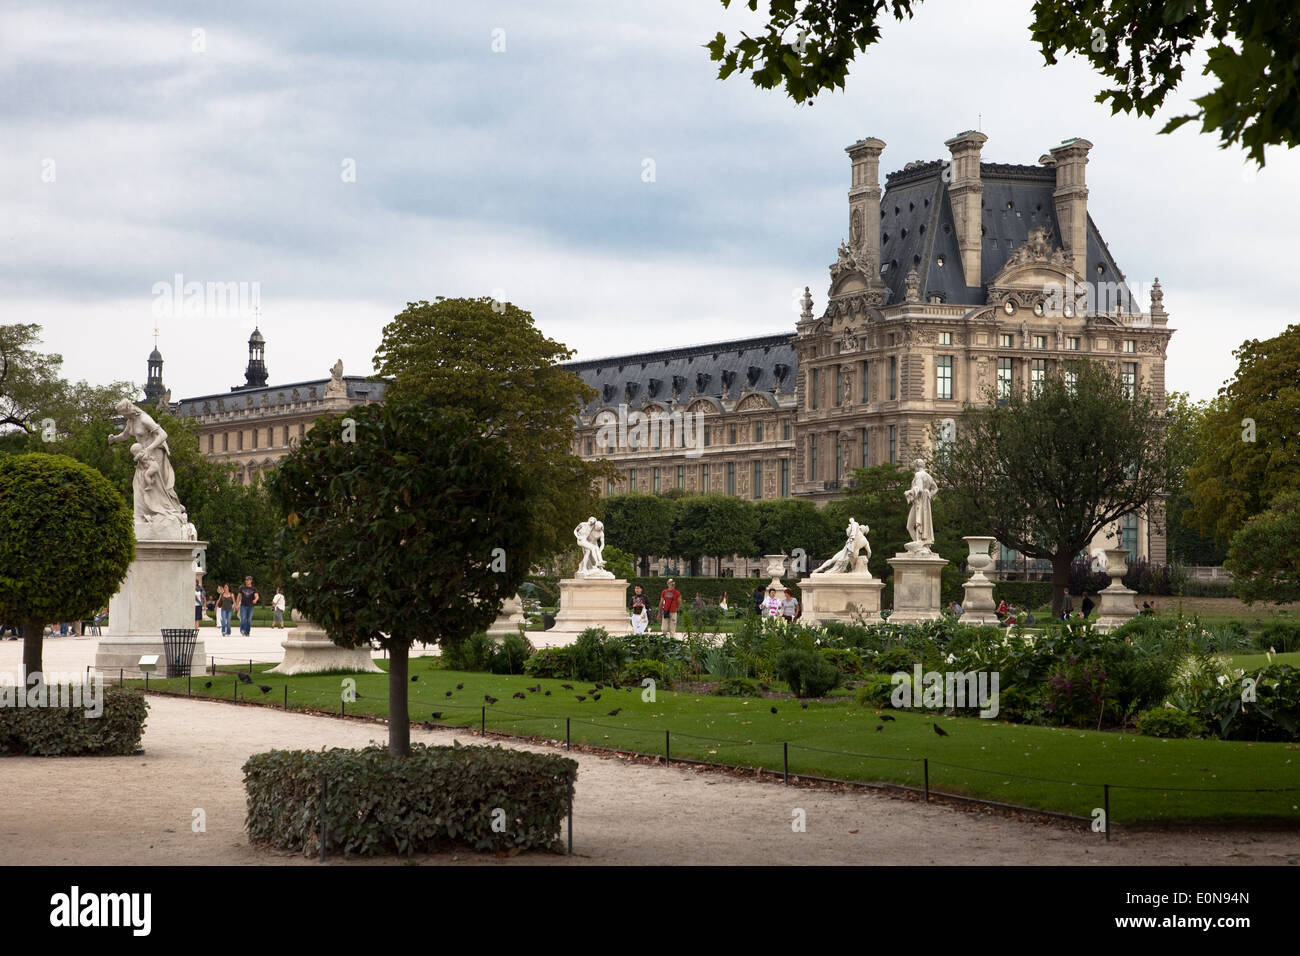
159,515
847,559
590,535
920,524
336,385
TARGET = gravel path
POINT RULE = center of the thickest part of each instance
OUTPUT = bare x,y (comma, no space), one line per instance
131,810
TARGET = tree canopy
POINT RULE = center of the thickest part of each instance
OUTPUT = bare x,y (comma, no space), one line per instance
713,525
1265,555
1140,50
417,531
67,539
1049,469
640,524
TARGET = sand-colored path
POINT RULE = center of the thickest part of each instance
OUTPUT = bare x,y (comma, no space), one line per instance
129,810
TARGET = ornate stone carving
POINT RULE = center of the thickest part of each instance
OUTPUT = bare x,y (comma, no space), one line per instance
336,387
159,515
853,260
849,560
590,535
913,287
920,524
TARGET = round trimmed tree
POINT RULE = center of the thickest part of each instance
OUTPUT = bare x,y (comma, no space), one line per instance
408,525
66,541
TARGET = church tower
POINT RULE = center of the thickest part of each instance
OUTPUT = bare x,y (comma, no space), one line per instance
154,391
255,374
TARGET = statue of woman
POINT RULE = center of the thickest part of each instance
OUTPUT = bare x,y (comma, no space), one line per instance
920,524
847,558
158,512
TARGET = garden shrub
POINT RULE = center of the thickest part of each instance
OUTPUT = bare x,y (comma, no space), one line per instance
893,660
510,655
551,662
1076,693
1273,715
474,653
1084,579
876,692
719,663
1029,594
379,804
1280,634
1169,722
67,731
661,672
737,687
808,672
844,660
596,655
655,646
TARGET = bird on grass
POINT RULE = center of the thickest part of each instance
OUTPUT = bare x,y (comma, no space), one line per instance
534,690
460,686
547,694
264,688
567,686
244,678
594,689
939,730
880,726
887,717
803,704
595,697
600,687
437,715
414,678
615,712
774,710
520,694
489,698
207,683
448,693
580,697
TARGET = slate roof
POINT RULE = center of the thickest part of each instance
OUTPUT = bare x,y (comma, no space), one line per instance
359,388
757,364
917,228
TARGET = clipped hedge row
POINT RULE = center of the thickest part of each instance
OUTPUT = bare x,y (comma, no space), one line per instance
487,798
1030,594
68,732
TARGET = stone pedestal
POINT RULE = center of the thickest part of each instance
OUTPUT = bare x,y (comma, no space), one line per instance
1115,603
510,620
310,651
584,603
849,598
158,593
977,607
917,587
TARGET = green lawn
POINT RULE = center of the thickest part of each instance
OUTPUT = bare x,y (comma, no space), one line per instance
837,738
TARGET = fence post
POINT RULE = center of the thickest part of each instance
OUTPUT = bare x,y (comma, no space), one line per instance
566,733
785,761
925,761
323,830
342,706
668,749
146,682
570,823
121,677
482,722
1105,789
286,696
236,690
188,692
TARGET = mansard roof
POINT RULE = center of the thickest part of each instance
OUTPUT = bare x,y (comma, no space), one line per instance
360,389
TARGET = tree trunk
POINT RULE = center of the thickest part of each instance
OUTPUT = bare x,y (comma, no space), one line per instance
33,649
1060,582
399,719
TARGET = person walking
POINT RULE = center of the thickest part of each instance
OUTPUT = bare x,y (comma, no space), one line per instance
758,599
772,606
247,598
200,599
1087,605
225,608
790,606
277,606
670,602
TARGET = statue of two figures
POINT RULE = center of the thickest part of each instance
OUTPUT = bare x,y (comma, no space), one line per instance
159,515
590,536
848,560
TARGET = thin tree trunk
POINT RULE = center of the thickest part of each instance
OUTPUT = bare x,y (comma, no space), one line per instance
399,719
33,647
1060,582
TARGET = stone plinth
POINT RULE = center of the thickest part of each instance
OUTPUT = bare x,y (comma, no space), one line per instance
584,603
158,593
848,598
510,620
310,651
978,607
917,587
1115,603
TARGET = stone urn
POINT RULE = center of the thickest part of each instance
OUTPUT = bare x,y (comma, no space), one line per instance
1116,566
979,558
774,566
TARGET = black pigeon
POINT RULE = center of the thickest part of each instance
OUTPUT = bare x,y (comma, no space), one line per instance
489,698
880,726
520,694
264,688
534,690
595,697
887,717
939,730
600,687
437,715
207,683
567,686
414,678
244,678
548,693
615,711
803,704
460,686
448,693
774,710
580,697
593,690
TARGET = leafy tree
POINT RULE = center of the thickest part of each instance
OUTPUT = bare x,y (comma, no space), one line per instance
618,562
395,535
1185,422
1250,450
640,524
1051,468
714,525
788,523
1265,555
66,541
1140,48
487,359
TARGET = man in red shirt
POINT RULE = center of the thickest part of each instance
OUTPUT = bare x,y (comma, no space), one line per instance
670,601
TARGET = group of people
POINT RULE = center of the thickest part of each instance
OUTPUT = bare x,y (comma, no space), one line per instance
227,603
670,603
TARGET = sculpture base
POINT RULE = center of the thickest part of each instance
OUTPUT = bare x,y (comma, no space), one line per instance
977,607
310,651
584,603
848,598
510,620
158,593
917,586
1115,607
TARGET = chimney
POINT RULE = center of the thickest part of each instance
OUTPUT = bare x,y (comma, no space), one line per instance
864,201
966,194
1071,197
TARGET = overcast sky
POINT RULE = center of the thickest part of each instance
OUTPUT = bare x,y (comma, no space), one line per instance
218,141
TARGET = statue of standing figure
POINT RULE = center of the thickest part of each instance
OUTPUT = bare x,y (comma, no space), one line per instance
159,515
920,524
590,536
847,559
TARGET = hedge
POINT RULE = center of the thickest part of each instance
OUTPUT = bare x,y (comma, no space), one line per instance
68,732
487,798
1028,594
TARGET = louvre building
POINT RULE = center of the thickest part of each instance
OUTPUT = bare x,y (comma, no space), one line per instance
960,276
